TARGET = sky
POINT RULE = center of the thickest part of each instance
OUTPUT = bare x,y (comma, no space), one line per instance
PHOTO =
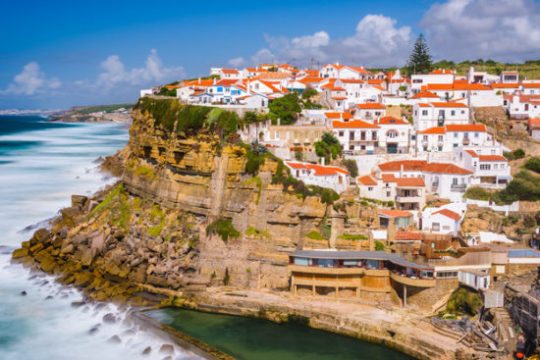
56,54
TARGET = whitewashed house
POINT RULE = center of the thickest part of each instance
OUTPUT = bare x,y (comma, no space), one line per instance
445,219
444,139
523,106
490,170
533,126
436,77
370,111
408,193
437,114
332,177
357,136
531,88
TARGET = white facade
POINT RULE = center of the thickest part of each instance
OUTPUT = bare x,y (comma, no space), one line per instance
420,80
331,177
436,114
443,220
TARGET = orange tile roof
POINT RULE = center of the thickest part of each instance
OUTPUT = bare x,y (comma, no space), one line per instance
390,120
466,127
226,82
339,97
408,165
505,86
352,81
531,85
367,180
449,213
424,94
472,153
229,71
319,170
388,178
355,124
433,130
338,115
492,158
410,182
443,105
422,165
395,213
408,235
310,80
371,106
444,168
441,71
534,123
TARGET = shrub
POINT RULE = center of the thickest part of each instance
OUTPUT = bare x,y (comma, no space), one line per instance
256,156
315,235
285,108
533,164
464,301
514,155
224,228
524,186
379,246
351,166
477,193
328,147
354,237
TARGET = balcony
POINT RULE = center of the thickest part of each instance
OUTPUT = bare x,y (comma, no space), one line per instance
458,187
411,281
408,199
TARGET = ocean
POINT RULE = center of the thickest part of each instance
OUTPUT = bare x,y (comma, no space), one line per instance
41,165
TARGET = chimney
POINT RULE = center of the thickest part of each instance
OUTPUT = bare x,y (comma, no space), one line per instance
199,81
323,161
215,81
401,169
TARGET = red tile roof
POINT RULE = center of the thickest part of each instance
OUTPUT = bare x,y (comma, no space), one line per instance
535,85
354,124
229,71
443,105
319,170
390,120
395,213
449,213
338,115
534,123
370,106
505,86
422,165
433,130
492,158
466,127
408,235
410,182
425,95
367,180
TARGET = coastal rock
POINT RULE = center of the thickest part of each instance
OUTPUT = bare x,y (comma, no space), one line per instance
115,339
109,318
166,349
147,350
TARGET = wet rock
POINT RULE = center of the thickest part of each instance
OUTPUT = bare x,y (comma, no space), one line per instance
109,318
167,358
19,253
166,349
77,304
147,350
94,329
50,297
24,293
115,339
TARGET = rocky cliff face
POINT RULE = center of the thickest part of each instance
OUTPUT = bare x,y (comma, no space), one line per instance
150,231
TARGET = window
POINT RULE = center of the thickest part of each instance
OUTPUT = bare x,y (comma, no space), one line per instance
340,134
424,112
388,194
435,226
370,188
441,138
476,134
425,138
453,112
485,167
392,134
463,111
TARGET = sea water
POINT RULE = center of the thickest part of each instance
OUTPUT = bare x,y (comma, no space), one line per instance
41,165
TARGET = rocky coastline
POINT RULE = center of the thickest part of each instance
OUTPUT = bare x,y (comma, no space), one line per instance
187,225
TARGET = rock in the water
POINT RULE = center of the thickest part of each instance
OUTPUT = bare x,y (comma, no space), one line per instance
77,304
49,297
166,349
109,318
94,329
115,339
147,350
24,293
167,358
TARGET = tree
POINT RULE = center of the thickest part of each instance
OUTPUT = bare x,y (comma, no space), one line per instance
285,108
420,58
328,147
351,166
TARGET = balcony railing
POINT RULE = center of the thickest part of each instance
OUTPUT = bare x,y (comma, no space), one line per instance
408,199
412,281
458,187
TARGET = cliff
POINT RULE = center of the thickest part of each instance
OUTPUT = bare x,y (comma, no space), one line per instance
194,208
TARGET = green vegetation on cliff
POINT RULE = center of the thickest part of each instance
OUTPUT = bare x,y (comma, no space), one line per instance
173,116
116,203
224,228
464,301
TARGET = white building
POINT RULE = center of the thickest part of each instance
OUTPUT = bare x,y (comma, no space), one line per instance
436,114
436,77
408,193
445,139
522,106
447,180
331,177
445,219
370,111
490,170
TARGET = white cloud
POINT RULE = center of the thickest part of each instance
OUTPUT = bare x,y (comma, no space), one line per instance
31,81
376,40
263,56
114,72
502,29
237,61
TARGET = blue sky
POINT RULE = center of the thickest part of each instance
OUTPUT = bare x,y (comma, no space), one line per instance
59,53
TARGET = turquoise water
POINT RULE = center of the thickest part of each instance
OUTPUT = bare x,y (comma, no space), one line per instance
256,339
